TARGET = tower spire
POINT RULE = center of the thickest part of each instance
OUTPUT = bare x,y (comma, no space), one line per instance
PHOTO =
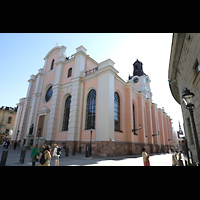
180,130
137,68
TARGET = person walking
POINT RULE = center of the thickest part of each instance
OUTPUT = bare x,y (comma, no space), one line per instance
145,156
45,157
8,142
55,155
35,154
4,145
174,160
15,145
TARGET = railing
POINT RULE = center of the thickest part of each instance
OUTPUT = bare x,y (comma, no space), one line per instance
91,71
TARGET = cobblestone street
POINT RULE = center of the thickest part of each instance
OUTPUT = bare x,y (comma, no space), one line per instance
80,159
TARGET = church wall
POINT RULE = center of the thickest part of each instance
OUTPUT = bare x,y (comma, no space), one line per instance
134,101
90,65
66,67
54,55
154,113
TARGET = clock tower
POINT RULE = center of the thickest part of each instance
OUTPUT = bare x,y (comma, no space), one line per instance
140,79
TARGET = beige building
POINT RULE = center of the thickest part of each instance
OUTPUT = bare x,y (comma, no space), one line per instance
7,120
75,101
184,68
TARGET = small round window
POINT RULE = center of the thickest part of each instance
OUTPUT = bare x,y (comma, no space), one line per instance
49,94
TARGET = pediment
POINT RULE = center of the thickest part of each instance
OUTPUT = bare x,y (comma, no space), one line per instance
51,51
44,109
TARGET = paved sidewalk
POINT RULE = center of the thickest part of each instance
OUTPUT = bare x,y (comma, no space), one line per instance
80,159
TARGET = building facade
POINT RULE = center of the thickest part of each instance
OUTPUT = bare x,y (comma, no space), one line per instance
7,120
70,96
184,68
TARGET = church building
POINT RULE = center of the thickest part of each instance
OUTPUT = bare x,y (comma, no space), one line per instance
73,100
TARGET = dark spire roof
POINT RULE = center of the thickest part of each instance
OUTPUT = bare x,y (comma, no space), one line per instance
137,68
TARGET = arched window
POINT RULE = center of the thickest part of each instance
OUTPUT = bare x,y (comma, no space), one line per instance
133,117
117,111
52,64
90,110
66,114
69,73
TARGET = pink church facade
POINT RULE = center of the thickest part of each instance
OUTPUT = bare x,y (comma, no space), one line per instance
70,96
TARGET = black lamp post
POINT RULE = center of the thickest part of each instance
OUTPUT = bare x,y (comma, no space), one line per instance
91,142
39,131
133,130
187,97
159,140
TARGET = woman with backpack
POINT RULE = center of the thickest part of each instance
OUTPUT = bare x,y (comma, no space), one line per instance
56,154
45,157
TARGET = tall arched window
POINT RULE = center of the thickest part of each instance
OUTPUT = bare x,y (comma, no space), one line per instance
52,64
133,117
66,114
90,110
117,111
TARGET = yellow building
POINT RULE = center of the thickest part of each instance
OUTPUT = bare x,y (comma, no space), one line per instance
184,72
7,120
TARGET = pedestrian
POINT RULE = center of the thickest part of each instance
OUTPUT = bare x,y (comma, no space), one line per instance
180,162
56,155
8,142
45,157
43,147
35,154
145,156
4,145
50,150
174,160
15,145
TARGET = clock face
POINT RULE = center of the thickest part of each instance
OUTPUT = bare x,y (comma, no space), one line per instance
135,80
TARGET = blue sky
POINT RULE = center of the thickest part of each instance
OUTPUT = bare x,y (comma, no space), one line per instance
21,55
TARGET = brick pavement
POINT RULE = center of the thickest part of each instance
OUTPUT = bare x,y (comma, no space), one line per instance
80,159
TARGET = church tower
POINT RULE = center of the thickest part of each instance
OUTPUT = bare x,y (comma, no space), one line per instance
140,79
137,68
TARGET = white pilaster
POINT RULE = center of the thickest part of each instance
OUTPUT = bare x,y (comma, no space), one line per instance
80,57
18,118
105,106
52,125
26,110
75,110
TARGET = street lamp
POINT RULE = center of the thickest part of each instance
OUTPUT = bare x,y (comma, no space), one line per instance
187,97
158,140
91,142
133,130
17,134
39,131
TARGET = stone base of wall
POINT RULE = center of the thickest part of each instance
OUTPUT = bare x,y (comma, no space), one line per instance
107,148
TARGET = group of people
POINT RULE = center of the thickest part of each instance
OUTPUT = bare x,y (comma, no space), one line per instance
6,144
46,155
176,159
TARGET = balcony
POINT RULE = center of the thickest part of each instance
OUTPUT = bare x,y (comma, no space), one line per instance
91,71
